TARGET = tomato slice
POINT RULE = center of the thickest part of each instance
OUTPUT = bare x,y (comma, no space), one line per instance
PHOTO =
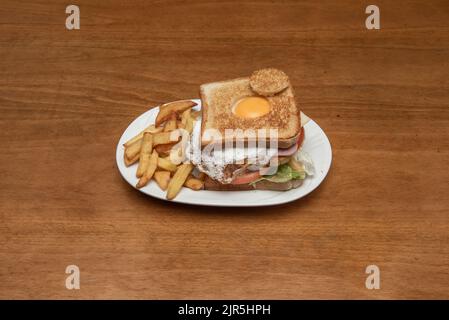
246,178
251,176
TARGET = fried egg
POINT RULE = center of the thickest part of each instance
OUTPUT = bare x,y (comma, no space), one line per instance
213,161
251,107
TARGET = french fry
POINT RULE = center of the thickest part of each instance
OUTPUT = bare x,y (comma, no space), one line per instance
165,164
164,149
132,140
167,109
178,151
185,116
148,174
162,138
189,125
133,150
194,184
180,125
162,179
176,183
196,114
145,153
150,128
171,123
187,120
129,162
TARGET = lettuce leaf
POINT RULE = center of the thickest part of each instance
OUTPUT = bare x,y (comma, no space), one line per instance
284,173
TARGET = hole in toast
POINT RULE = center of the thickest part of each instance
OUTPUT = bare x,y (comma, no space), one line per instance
251,107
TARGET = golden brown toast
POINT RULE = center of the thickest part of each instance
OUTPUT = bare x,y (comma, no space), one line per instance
268,82
210,184
218,99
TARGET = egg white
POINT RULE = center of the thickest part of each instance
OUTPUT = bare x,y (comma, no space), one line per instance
213,163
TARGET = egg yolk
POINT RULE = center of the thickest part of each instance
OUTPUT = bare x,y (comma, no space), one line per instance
251,107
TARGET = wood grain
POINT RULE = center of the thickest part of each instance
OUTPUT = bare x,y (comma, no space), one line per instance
66,96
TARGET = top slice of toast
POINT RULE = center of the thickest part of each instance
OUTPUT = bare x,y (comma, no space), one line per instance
218,99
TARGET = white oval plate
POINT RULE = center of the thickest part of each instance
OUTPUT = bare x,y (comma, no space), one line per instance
316,145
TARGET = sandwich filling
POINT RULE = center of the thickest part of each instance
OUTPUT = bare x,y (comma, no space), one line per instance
249,165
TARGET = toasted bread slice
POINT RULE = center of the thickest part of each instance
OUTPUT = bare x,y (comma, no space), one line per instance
210,184
218,99
268,82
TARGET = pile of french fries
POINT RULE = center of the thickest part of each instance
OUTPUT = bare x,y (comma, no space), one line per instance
152,148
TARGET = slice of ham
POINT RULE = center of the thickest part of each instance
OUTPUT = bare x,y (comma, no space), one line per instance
288,152
291,151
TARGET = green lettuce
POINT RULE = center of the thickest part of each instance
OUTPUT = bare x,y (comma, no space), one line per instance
284,173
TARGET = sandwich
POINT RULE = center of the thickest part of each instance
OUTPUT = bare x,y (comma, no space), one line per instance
251,134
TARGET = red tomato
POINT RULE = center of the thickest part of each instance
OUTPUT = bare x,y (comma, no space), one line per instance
250,177
246,178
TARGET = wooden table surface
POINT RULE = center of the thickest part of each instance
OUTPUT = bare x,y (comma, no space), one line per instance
382,97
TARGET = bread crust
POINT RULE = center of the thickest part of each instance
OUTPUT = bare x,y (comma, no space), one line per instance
210,184
269,81
283,142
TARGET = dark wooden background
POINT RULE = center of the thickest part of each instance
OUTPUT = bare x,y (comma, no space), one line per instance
66,97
